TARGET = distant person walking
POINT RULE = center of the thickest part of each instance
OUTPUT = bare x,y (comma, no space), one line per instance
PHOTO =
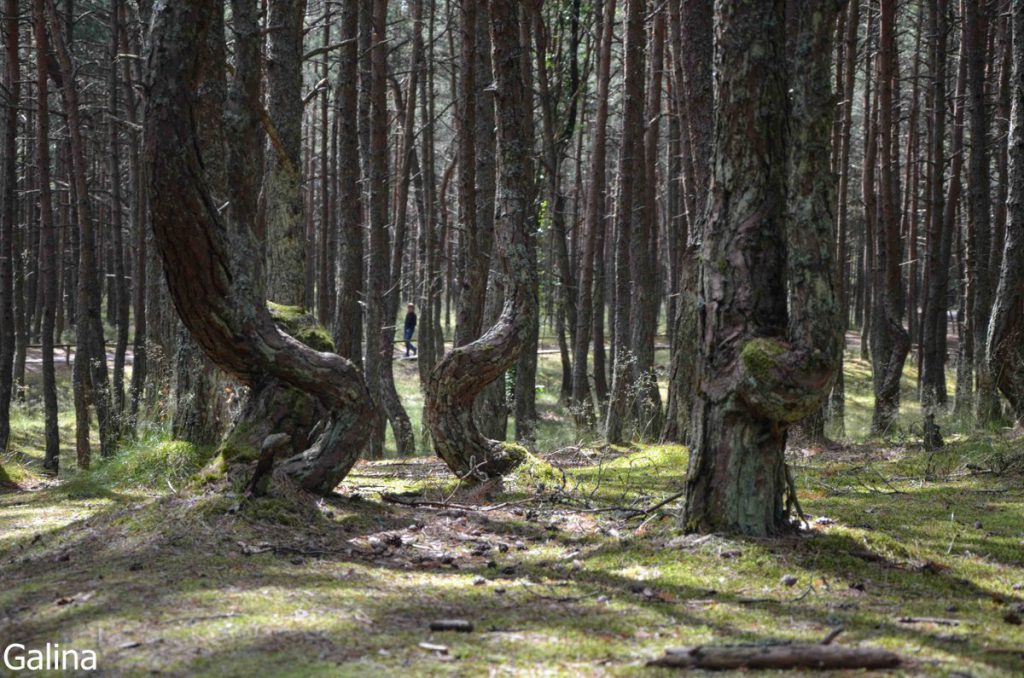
410,329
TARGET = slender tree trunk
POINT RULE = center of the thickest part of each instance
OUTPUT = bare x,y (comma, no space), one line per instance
120,279
644,257
12,80
837,403
48,270
1005,347
693,21
583,405
979,209
890,342
466,370
348,328
629,211
89,325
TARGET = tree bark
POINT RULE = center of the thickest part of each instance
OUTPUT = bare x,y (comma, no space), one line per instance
348,332
770,331
12,80
695,51
286,254
89,321
466,370
1005,349
208,261
837,401
890,342
628,215
583,404
979,217
48,271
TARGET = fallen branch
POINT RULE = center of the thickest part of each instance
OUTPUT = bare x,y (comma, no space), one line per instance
941,621
777,657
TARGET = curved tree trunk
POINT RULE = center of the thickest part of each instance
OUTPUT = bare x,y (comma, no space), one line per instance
1006,328
463,374
208,261
770,332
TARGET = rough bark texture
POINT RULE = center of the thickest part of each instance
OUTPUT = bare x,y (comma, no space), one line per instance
91,348
583,404
48,246
762,366
286,255
11,84
628,224
695,53
979,209
1006,329
348,332
933,326
208,262
890,342
462,374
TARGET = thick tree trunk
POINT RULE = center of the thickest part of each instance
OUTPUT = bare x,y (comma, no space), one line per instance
1005,347
770,332
464,372
208,261
286,255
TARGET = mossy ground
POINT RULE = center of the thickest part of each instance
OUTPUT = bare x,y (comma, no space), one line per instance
556,569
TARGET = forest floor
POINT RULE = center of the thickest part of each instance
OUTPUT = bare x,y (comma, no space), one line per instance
561,570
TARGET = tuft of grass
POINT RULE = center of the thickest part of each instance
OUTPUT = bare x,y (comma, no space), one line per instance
150,463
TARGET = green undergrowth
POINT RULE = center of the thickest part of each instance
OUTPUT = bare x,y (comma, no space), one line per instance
559,571
148,464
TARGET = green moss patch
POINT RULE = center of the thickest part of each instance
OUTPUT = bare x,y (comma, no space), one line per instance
302,325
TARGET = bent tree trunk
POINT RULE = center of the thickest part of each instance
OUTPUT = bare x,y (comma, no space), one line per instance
464,373
209,261
1006,328
763,367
